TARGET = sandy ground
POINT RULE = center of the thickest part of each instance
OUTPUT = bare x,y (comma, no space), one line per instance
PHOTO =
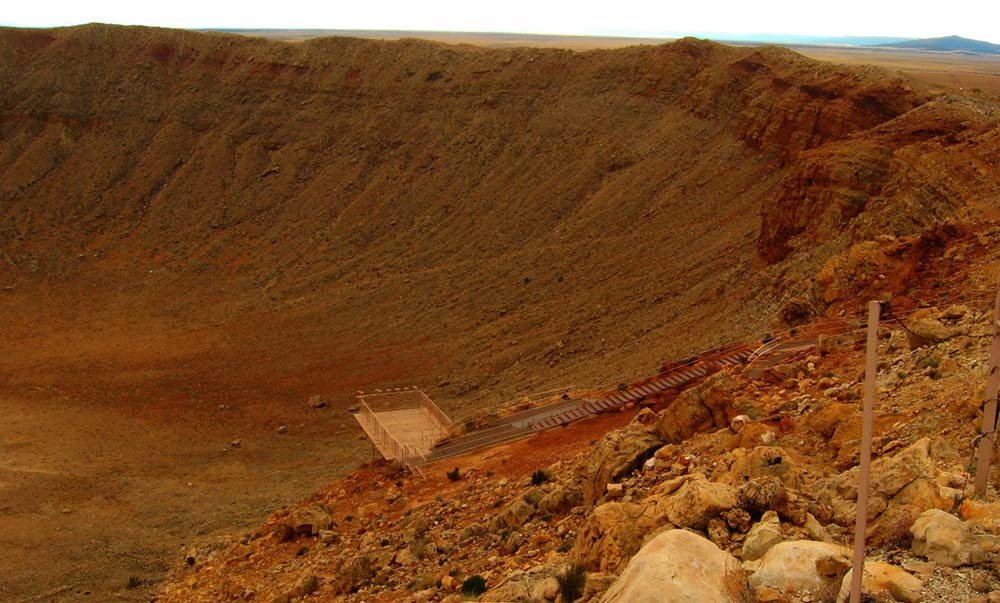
110,467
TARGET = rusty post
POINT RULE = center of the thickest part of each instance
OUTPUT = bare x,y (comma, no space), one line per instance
861,519
987,442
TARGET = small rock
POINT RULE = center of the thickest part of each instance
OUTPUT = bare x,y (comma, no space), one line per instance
316,401
307,584
881,579
283,429
943,538
954,312
925,568
980,583
236,443
766,594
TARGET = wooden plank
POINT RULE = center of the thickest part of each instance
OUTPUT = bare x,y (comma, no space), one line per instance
864,469
987,441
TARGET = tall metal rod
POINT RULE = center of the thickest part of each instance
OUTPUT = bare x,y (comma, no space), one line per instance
987,442
864,469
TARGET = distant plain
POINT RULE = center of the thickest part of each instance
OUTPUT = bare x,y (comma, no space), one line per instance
959,70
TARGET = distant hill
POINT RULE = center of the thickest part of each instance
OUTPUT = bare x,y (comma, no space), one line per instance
782,39
948,44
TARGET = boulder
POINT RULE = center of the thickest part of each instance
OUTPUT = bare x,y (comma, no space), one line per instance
693,504
307,584
881,580
943,538
686,416
981,515
513,589
925,328
762,536
516,514
708,405
560,498
717,394
802,566
770,461
681,567
612,534
762,494
615,455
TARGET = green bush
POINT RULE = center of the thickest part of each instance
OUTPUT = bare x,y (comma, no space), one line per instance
474,586
571,583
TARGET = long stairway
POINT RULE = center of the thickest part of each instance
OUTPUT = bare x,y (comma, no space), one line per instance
674,377
525,423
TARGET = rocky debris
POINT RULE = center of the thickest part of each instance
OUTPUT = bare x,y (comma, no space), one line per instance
802,566
903,486
750,502
679,565
944,539
882,580
616,454
307,520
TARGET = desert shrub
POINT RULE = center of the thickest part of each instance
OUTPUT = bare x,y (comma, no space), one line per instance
571,583
454,475
474,586
540,476
931,361
419,547
134,582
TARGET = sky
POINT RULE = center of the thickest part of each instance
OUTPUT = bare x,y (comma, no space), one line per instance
979,19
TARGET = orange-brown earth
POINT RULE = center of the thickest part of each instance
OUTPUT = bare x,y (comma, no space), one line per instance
193,220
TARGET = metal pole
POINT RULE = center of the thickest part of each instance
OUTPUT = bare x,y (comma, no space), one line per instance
986,441
861,520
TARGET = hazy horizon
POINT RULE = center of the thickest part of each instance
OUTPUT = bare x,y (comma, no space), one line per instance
717,19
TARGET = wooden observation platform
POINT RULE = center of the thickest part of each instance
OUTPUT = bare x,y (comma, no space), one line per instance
403,424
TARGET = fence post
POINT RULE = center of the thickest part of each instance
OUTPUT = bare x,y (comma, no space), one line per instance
861,519
987,442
